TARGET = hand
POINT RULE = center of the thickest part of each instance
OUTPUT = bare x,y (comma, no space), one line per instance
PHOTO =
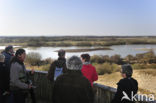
32,71
6,93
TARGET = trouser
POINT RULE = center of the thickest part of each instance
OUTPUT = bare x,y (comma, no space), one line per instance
19,96
11,98
31,91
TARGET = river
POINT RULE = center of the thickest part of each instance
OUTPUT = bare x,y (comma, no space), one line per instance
122,50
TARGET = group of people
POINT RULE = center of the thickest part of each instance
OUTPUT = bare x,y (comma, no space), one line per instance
75,85
72,79
14,79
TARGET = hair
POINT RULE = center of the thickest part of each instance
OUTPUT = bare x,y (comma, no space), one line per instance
2,57
18,52
74,63
127,69
8,48
61,53
86,57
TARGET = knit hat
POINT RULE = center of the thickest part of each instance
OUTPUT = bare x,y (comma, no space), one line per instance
127,69
74,63
61,52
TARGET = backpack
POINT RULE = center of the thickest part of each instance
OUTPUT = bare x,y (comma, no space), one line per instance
58,72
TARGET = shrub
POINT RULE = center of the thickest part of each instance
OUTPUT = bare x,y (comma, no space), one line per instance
48,61
116,59
102,59
149,57
146,58
106,68
139,66
116,68
97,59
106,58
33,58
129,58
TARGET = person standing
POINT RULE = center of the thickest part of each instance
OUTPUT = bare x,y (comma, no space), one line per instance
72,86
4,81
126,86
58,67
8,53
18,77
88,70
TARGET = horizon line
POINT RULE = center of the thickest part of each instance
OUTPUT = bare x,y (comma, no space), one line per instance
83,36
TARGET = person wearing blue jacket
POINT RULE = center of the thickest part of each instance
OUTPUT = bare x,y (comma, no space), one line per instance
8,53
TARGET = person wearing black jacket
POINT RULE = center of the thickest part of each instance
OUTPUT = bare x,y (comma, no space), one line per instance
72,86
4,80
126,86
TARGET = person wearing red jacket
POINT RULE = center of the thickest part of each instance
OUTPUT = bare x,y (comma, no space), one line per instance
88,70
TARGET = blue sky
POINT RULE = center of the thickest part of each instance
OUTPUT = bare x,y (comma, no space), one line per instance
77,17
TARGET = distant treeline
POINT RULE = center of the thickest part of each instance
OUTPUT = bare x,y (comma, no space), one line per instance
144,58
76,41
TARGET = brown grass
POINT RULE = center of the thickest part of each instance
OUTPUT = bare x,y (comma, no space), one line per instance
146,79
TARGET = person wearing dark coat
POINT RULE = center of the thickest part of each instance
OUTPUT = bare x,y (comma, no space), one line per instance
126,86
8,53
72,86
60,63
4,80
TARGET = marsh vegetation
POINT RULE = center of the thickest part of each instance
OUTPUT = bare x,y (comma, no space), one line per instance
75,41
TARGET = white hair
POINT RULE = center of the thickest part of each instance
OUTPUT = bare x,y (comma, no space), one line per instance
74,63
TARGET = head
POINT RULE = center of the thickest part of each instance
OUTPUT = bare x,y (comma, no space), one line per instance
85,58
2,58
126,71
61,53
9,49
74,63
20,54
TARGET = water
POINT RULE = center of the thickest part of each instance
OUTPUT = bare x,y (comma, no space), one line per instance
3,47
122,50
